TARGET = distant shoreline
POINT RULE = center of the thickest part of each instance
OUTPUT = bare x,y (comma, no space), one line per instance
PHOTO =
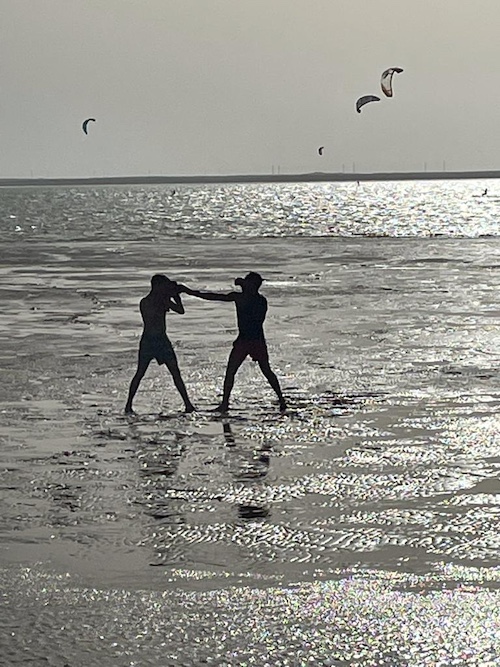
316,177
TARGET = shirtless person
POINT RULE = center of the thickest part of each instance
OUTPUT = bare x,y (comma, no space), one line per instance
251,309
164,296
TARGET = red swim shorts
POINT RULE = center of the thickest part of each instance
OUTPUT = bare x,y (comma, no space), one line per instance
257,349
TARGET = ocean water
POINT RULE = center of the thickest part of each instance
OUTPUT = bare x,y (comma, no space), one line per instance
361,528
137,213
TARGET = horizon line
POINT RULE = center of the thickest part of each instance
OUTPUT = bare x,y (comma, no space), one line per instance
316,176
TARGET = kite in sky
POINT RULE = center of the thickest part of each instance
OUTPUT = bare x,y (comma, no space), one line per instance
85,123
365,100
386,80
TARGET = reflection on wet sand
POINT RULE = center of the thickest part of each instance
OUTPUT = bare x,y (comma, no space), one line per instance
255,469
181,504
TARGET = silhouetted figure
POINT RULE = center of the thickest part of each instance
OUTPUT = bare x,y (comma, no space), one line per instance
251,309
485,191
164,296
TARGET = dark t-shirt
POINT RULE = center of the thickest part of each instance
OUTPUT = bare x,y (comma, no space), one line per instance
251,312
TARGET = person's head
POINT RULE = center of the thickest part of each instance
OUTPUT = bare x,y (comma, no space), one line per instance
160,283
250,283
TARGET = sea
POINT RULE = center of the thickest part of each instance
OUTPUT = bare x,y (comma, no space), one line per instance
360,528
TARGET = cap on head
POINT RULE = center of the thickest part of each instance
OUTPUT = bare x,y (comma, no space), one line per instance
254,278
159,280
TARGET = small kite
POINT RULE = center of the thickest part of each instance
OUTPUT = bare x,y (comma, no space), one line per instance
321,149
364,100
85,123
386,80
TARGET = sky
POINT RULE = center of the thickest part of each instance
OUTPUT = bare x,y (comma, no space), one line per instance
185,87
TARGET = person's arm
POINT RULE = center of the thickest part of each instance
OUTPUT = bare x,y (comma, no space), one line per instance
175,304
208,296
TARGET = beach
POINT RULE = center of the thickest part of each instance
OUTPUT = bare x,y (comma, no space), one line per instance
359,528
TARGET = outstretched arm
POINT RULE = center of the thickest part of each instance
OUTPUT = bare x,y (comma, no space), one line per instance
208,296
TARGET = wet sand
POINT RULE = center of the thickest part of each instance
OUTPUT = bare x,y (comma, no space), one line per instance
360,528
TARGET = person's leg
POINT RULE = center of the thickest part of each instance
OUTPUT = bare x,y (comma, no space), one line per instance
142,367
173,367
273,381
236,358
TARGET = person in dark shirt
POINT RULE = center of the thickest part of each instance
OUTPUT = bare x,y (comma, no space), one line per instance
251,309
164,296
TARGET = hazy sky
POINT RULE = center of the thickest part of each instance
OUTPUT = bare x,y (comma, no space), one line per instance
237,86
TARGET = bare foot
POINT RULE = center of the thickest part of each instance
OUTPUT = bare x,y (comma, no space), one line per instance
282,406
128,410
223,407
189,408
